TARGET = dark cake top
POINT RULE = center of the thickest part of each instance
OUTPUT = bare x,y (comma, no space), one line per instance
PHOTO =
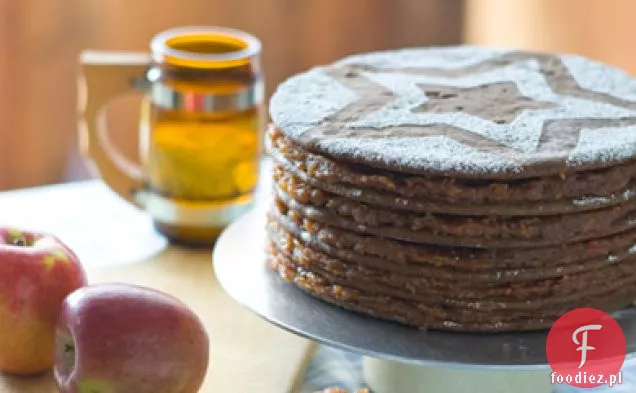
466,111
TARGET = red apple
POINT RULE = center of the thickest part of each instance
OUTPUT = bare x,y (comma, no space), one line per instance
37,271
128,339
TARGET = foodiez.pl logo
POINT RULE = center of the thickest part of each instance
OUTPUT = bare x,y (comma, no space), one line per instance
586,348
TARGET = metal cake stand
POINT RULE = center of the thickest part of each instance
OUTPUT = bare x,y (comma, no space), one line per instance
397,358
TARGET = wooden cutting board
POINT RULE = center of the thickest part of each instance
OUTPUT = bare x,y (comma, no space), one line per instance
247,354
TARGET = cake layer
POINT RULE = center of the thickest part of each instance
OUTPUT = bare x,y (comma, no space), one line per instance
544,195
466,259
435,315
525,293
285,172
460,271
484,232
539,296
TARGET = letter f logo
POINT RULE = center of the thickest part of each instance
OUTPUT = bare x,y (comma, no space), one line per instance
583,343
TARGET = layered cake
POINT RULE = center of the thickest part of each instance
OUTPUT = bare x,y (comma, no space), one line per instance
457,188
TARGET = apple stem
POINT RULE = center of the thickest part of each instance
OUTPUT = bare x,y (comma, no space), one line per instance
19,241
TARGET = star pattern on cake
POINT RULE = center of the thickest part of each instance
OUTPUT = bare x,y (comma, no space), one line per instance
499,102
391,103
523,133
520,108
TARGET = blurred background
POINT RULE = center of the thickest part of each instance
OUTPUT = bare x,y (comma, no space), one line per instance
40,41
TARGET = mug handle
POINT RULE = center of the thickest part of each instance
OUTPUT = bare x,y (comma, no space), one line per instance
107,75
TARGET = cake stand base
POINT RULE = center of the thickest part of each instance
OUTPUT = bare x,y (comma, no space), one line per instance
385,376
399,359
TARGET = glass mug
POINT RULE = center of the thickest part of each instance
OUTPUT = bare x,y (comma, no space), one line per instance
202,118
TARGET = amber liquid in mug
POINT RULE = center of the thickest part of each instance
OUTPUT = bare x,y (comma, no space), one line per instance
200,159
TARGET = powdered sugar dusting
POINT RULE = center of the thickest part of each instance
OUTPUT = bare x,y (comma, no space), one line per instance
591,201
597,77
440,152
306,99
604,200
522,134
451,57
450,324
311,99
604,144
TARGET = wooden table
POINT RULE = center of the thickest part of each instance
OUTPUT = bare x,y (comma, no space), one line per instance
116,242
